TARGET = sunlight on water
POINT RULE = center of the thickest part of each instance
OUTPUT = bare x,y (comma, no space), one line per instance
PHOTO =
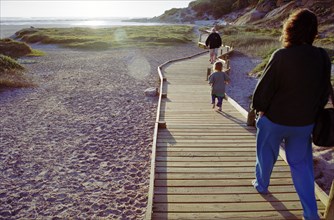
8,26
92,23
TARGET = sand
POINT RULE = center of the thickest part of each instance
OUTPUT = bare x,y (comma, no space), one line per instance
78,145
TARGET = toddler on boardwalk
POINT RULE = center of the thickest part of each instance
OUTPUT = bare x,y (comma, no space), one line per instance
218,79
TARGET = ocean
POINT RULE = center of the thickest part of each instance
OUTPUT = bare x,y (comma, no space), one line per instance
8,26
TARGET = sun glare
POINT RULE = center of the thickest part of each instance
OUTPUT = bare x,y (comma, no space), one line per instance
92,23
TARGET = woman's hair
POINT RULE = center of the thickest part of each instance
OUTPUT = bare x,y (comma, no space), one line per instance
300,28
218,66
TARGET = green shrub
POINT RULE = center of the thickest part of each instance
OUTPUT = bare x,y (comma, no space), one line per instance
251,40
11,74
16,49
7,63
13,48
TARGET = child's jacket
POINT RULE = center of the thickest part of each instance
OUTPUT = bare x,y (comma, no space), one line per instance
218,81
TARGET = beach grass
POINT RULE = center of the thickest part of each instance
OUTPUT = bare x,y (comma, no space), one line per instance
250,40
106,38
36,53
12,73
262,42
7,63
253,41
16,49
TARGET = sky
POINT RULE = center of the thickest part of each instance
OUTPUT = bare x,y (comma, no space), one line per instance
88,8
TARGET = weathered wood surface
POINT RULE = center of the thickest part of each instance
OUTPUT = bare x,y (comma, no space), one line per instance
205,159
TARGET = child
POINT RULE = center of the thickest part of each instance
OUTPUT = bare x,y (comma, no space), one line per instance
218,79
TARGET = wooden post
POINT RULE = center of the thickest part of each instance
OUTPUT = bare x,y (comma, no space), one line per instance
329,213
162,124
228,64
208,72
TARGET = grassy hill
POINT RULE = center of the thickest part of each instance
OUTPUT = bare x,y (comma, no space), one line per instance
265,12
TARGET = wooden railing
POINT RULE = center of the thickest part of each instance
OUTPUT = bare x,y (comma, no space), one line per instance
329,213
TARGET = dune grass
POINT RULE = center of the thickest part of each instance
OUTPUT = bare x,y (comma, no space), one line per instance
105,38
11,73
16,49
36,53
7,63
250,40
262,42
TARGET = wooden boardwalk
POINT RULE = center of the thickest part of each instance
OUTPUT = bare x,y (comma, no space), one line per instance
205,159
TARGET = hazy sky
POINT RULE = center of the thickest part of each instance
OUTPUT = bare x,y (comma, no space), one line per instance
89,8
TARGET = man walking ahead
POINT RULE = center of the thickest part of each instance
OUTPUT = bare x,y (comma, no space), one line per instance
213,41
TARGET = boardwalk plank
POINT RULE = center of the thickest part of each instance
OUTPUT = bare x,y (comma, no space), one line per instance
235,148
225,182
215,176
200,190
263,215
226,198
212,163
214,169
195,153
230,207
204,159
227,207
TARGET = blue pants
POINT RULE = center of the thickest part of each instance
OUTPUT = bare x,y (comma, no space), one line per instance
219,98
298,148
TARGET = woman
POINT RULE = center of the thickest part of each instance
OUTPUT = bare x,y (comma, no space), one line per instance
287,98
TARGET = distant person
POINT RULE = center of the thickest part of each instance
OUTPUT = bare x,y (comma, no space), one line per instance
287,98
213,42
218,79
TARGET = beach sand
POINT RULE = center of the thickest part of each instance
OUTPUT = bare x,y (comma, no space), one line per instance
78,145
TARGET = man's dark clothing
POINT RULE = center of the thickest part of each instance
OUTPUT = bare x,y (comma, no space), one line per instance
213,41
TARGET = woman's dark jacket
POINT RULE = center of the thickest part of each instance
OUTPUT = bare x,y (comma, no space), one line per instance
294,85
213,41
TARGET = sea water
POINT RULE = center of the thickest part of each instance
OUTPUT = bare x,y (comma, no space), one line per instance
8,26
